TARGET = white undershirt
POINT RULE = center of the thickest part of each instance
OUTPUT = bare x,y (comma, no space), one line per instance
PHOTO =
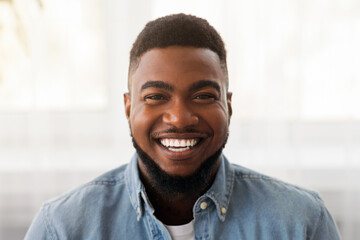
182,232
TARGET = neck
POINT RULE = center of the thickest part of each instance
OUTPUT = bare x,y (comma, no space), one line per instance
175,209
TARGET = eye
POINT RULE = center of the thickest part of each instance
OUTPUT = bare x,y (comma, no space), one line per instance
205,98
154,98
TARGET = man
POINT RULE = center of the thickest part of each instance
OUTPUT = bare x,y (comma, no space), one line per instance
178,184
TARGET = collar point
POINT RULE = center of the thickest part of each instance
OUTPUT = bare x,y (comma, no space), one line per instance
222,218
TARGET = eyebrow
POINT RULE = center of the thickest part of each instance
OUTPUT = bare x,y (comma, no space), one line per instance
204,83
157,84
195,86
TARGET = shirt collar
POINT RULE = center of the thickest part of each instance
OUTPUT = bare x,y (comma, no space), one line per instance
219,192
135,188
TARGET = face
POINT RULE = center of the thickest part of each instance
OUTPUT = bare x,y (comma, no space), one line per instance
178,107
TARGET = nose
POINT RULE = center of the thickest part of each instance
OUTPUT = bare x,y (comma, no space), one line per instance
180,115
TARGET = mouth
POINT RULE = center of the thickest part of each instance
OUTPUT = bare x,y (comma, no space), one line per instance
179,144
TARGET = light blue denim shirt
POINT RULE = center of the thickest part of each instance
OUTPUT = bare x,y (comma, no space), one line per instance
241,204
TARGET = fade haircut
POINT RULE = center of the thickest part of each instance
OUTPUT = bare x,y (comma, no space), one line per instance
177,30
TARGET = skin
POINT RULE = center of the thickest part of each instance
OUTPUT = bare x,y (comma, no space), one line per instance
178,93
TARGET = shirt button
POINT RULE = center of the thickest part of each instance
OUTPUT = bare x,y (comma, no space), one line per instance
223,210
203,205
138,210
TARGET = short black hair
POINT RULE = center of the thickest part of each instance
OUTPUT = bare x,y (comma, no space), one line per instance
177,30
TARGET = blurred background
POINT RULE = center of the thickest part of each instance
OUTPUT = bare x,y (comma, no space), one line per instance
294,74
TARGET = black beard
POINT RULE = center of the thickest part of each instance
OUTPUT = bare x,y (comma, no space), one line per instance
191,185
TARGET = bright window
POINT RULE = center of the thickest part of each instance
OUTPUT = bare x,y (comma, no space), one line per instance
52,55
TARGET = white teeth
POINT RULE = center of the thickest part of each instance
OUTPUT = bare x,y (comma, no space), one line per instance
178,144
179,149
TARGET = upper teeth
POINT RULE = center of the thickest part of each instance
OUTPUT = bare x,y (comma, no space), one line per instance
171,142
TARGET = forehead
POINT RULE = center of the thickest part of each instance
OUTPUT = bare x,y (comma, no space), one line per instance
177,65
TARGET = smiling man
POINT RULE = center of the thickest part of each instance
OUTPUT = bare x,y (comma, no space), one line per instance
179,111
178,185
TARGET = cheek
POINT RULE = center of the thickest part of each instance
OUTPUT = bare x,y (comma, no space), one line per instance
217,118
141,121
221,127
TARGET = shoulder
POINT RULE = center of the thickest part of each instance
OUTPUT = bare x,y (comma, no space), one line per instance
275,197
88,203
90,206
279,206
259,205
270,185
111,181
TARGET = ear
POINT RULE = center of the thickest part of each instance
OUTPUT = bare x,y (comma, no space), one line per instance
127,104
228,101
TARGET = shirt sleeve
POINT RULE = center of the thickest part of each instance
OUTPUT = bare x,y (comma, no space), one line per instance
38,228
326,228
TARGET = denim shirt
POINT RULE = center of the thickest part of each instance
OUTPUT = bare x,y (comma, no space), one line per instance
241,204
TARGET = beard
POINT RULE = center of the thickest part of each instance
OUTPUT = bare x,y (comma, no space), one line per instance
190,185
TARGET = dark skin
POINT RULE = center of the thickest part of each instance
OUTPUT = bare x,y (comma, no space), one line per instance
171,210
181,88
